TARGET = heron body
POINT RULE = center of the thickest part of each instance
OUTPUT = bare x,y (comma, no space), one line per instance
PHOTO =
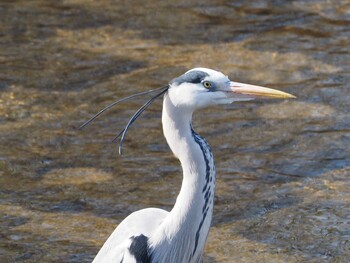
179,236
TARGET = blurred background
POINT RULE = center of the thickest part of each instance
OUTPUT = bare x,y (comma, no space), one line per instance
283,167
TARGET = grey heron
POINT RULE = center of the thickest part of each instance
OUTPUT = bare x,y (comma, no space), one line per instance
178,236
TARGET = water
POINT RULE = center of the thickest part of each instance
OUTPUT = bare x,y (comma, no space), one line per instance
283,166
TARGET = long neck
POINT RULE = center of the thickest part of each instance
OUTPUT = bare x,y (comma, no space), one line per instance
187,225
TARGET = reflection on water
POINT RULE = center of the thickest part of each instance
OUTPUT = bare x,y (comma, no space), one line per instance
283,167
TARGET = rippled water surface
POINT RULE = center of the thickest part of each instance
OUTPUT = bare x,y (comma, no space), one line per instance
283,167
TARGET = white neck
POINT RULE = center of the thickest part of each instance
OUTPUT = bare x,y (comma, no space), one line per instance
185,229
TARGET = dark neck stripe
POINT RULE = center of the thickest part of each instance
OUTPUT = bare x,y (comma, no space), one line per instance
205,148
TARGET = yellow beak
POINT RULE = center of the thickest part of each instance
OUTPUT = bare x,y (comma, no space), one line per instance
252,91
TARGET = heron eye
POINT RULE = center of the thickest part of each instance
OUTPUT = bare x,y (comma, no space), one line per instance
207,84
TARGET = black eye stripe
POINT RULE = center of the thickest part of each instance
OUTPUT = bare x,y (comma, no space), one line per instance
194,76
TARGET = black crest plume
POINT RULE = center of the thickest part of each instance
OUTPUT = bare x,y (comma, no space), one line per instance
137,114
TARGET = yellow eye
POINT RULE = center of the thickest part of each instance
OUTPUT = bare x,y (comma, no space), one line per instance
207,84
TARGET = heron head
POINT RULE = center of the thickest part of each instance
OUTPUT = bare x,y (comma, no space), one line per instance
202,87
197,88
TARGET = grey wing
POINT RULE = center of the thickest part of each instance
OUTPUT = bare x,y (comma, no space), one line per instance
117,247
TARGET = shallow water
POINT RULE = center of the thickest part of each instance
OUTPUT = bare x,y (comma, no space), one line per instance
282,166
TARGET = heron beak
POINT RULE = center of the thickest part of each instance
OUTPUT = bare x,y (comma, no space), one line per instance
247,91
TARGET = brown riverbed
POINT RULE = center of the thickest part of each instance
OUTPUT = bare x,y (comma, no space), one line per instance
283,167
